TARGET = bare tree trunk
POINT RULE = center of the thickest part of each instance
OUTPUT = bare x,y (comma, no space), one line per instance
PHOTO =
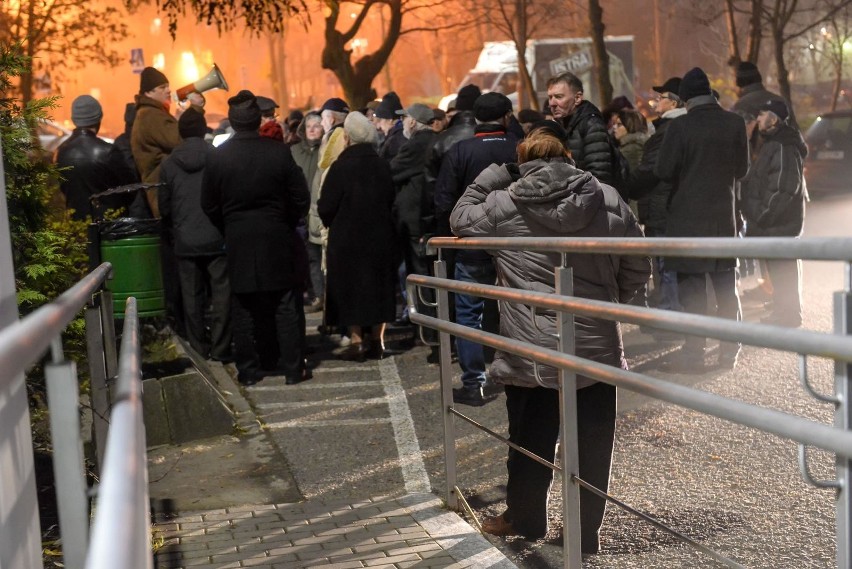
283,77
734,56
754,32
783,74
599,50
838,79
274,67
357,79
658,47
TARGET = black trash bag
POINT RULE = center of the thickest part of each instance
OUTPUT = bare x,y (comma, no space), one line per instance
124,227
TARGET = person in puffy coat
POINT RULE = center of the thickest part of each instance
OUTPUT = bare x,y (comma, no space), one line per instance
547,196
773,203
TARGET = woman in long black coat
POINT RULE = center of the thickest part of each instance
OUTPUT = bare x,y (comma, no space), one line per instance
356,204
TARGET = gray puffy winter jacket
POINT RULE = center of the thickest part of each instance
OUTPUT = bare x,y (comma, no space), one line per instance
552,199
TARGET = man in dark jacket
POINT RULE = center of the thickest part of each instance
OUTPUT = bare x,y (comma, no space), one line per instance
390,125
653,193
413,207
703,155
588,138
491,144
752,93
255,194
121,160
87,159
198,244
461,128
773,203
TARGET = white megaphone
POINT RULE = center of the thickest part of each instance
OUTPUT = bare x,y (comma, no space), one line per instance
213,80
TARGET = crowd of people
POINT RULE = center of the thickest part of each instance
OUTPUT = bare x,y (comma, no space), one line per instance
329,211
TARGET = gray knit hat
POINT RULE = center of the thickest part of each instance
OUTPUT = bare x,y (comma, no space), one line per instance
86,111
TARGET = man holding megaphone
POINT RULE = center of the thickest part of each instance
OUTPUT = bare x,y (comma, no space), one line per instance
155,131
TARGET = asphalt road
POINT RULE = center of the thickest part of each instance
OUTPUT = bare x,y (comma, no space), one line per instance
375,429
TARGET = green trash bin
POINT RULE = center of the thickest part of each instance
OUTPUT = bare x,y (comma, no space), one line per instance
133,248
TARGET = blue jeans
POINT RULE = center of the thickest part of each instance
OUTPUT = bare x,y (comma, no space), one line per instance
469,311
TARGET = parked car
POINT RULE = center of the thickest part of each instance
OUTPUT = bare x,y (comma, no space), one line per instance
828,167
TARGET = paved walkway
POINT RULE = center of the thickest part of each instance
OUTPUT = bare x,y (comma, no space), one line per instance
410,531
202,483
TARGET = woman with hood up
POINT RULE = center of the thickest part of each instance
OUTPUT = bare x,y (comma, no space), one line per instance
547,196
306,154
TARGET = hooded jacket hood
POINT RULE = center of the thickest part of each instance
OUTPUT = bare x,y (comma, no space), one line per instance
191,154
545,181
789,136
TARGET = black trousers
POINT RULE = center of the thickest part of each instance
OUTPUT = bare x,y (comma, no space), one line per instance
692,289
786,275
268,332
534,425
203,283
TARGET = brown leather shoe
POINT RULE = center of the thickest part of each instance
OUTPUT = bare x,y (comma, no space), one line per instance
499,526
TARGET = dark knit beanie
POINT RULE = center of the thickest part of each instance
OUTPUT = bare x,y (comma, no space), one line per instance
694,84
192,124
388,106
243,112
151,79
747,74
466,97
86,111
778,107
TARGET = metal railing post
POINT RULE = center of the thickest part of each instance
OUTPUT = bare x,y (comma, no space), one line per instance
443,298
108,325
20,533
69,469
572,557
843,420
98,374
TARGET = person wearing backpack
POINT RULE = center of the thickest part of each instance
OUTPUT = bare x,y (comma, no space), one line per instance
592,149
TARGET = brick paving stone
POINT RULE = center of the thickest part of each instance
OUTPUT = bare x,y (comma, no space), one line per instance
340,565
358,556
251,508
392,560
227,516
294,549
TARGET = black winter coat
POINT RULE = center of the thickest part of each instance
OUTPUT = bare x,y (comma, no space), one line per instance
462,127
182,172
122,163
414,208
356,205
89,172
644,186
773,196
703,155
254,192
392,142
589,141
462,164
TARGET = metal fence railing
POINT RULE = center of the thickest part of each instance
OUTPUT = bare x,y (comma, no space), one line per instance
122,514
837,346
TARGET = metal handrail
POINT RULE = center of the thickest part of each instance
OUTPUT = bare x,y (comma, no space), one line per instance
777,422
838,346
779,338
121,534
805,248
25,341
